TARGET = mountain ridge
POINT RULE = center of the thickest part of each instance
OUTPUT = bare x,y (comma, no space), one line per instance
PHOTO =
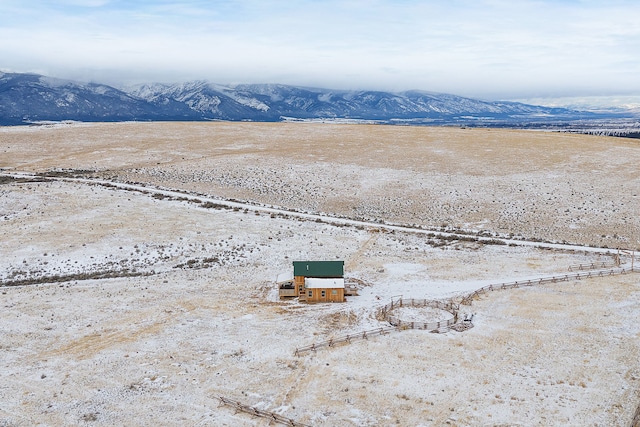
30,98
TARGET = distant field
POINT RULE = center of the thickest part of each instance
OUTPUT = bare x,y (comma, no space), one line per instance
142,307
550,186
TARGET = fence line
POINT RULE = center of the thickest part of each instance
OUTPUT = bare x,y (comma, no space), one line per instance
397,324
448,305
403,324
345,338
383,313
466,300
593,266
271,416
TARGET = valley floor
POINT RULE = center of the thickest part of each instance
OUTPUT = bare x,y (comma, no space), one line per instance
195,313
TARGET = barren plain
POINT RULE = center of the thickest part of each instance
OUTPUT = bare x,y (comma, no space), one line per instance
141,304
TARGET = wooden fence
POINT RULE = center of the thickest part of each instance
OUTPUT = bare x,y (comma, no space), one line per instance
448,305
592,266
397,324
433,326
271,416
384,313
345,339
466,300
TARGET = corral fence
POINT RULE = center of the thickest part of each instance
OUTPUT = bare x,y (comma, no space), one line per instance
427,326
467,300
593,266
345,339
397,324
271,416
384,312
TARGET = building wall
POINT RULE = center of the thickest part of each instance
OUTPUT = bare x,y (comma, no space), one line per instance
316,293
324,295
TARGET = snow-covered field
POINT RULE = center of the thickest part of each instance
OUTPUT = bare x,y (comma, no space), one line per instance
190,311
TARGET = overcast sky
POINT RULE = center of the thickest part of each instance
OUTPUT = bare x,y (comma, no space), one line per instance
492,49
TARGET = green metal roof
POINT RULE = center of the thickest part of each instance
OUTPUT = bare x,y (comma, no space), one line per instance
318,268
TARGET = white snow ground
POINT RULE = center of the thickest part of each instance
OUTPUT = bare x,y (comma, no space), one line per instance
206,322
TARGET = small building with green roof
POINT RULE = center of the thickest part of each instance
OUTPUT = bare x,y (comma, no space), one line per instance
316,281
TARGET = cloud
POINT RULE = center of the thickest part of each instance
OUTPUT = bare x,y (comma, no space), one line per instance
489,48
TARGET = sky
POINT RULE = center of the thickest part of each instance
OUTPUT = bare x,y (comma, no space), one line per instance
489,49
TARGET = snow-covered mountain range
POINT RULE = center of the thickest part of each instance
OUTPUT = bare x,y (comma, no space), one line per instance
29,98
